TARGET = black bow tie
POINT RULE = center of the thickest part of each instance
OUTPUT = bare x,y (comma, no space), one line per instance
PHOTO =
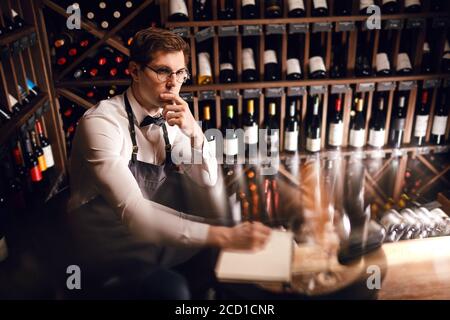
148,120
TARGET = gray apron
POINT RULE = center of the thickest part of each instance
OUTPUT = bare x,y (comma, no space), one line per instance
106,244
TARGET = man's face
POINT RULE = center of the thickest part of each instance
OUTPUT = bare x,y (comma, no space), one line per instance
150,86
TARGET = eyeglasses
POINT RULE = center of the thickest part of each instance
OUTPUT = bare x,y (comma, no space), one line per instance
164,74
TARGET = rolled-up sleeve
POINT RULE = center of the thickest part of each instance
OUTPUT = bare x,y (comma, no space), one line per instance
98,143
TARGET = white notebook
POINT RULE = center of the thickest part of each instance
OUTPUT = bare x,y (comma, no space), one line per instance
271,264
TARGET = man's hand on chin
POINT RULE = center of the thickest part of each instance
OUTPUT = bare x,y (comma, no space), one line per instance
177,112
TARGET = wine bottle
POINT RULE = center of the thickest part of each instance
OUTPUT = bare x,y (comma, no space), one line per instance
338,67
271,66
230,146
227,73
413,6
4,116
296,8
273,9
382,60
446,58
17,20
294,71
377,124
421,124
204,68
437,5
336,129
389,6
364,5
398,126
32,163
404,66
45,145
15,105
250,126
320,8
272,130
317,68
343,8
202,10
363,66
206,125
291,129
32,88
249,9
178,10
440,120
313,129
357,130
226,9
249,73
38,152
427,62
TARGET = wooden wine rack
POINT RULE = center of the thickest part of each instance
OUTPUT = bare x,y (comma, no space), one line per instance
425,19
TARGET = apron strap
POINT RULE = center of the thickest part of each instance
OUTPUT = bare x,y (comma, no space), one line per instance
131,128
168,146
130,115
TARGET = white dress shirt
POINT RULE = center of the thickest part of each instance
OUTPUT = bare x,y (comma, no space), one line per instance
99,161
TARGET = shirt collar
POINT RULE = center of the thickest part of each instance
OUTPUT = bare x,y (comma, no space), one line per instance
139,112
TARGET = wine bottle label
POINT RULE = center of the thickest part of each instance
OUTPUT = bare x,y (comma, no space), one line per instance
251,134
365,3
178,6
426,47
312,145
212,146
12,100
357,138
446,46
204,65
230,147
439,125
296,4
35,174
226,66
320,4
316,64
399,124
409,3
248,59
290,140
376,138
403,61
41,163
382,62
48,154
270,56
293,66
421,126
3,248
335,134
248,2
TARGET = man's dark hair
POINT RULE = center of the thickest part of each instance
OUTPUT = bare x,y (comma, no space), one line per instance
148,41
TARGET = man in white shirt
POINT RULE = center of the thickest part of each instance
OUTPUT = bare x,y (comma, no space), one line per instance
119,161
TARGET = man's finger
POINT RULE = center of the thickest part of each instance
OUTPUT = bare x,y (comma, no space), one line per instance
174,121
173,97
172,115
